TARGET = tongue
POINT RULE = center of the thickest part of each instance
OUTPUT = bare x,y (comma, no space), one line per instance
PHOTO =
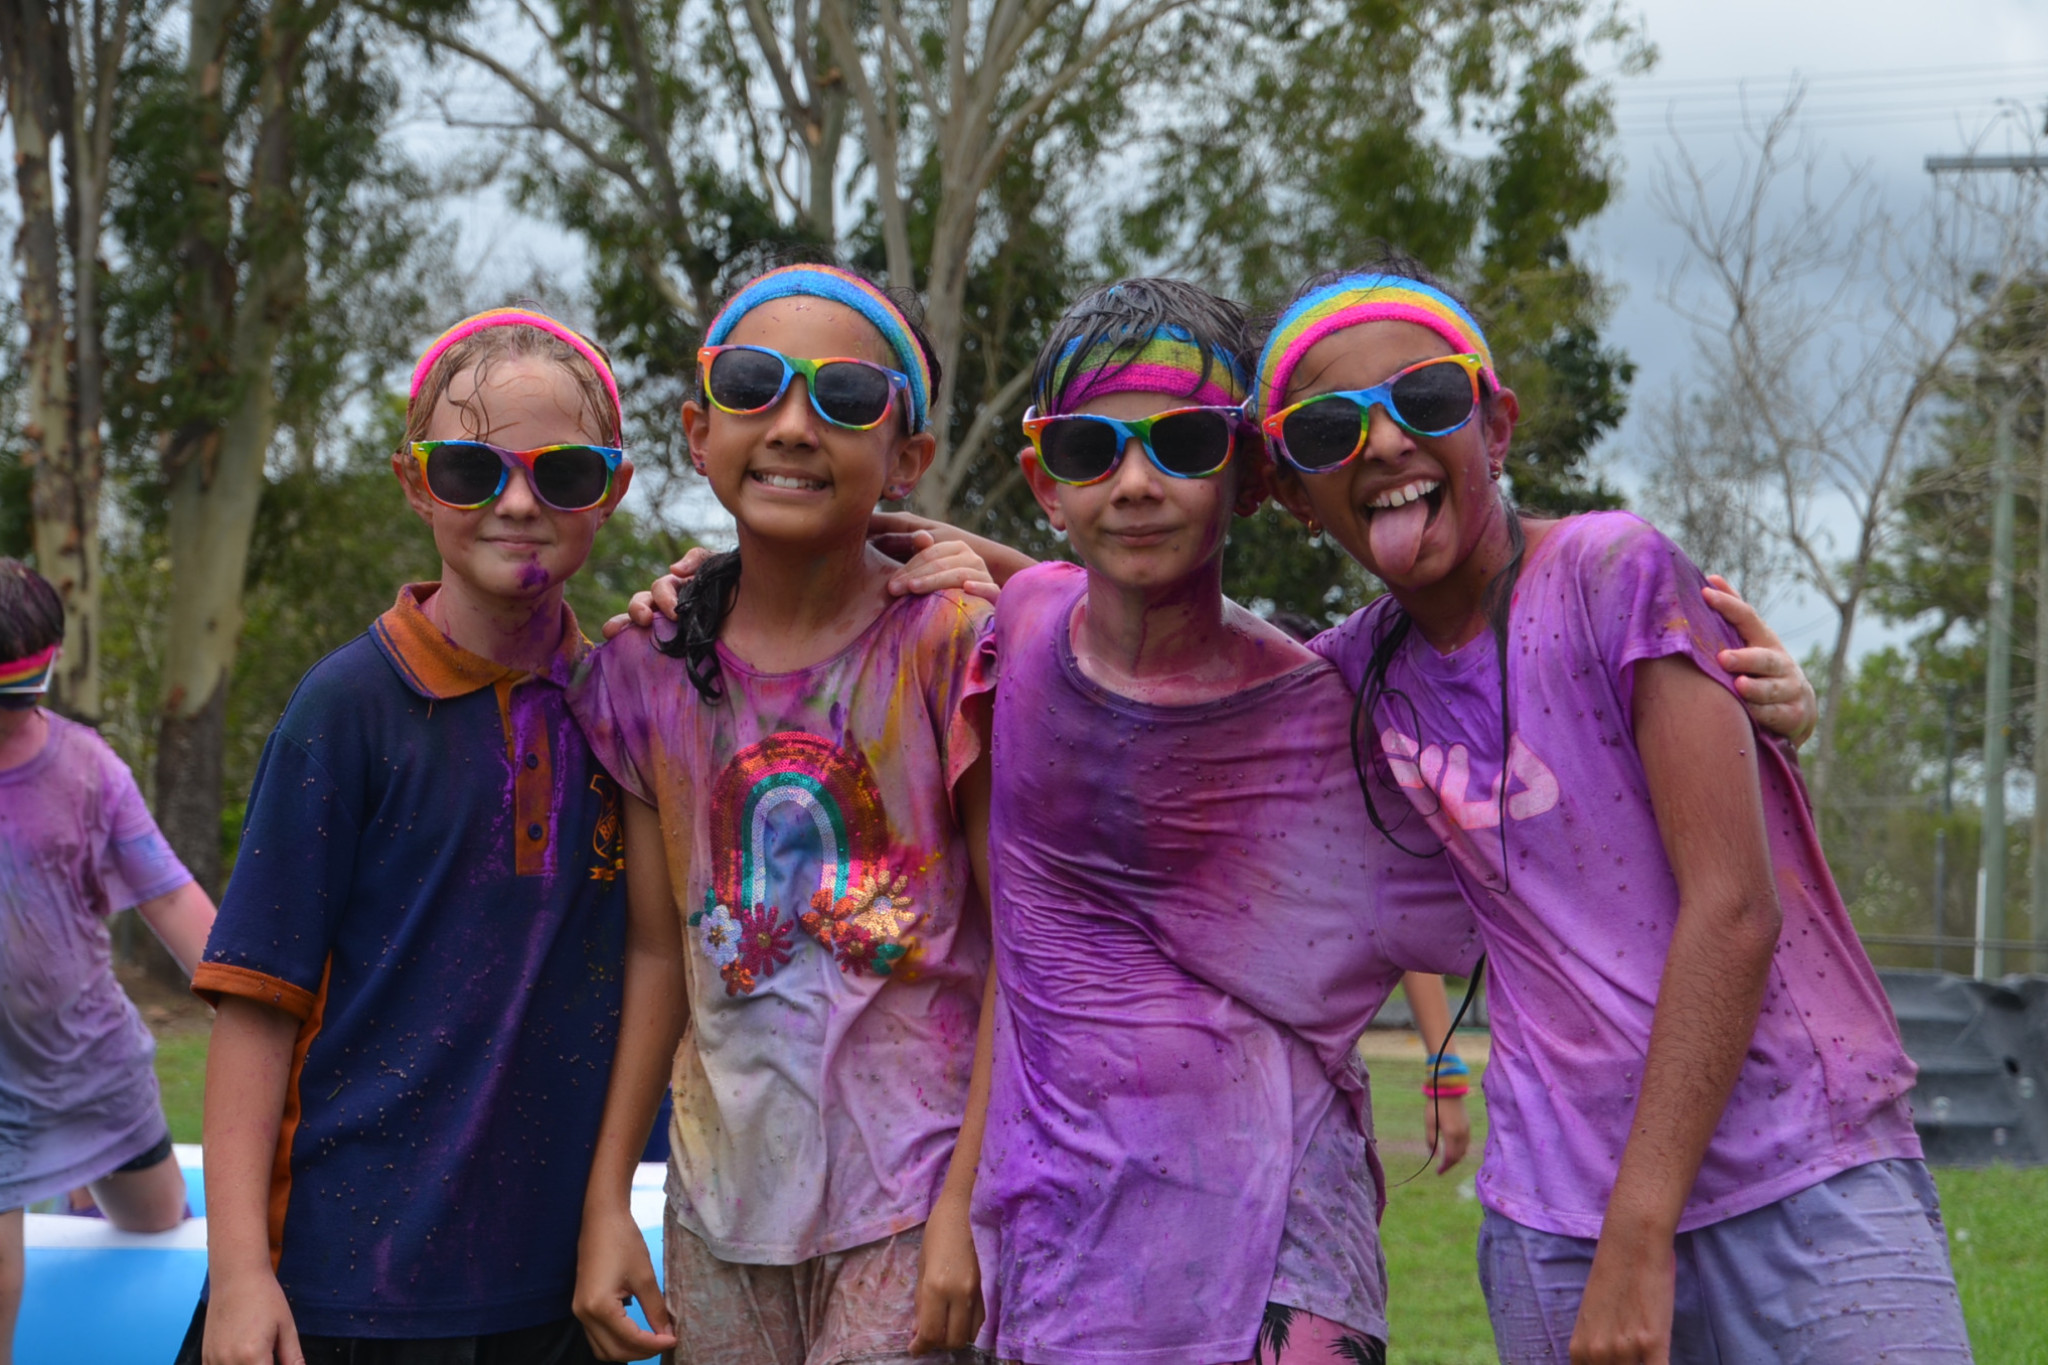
1396,536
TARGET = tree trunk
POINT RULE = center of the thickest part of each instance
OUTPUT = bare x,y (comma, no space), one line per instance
1821,770
64,461
216,475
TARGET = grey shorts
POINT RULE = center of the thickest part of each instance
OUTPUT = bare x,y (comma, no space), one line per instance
1854,1269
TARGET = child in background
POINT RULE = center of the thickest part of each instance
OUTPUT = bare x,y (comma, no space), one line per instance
417,961
807,798
1700,1147
78,1094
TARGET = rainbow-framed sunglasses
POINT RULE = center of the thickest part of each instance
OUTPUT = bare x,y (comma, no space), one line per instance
847,392
1327,431
467,474
1082,448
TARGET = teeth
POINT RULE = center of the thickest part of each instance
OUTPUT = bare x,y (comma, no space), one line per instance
790,481
1406,494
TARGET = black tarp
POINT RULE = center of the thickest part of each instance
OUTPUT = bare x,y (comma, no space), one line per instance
1982,1048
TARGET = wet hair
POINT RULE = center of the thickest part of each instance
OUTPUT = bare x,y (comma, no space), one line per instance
1395,625
31,620
707,598
481,350
1120,318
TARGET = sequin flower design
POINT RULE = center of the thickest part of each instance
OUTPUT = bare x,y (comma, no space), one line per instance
765,943
865,928
747,946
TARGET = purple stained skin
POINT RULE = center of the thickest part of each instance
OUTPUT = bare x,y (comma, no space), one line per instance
1193,923
1579,916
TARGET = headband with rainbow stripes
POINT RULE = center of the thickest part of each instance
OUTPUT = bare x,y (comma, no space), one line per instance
520,317
29,677
1358,299
1169,361
839,286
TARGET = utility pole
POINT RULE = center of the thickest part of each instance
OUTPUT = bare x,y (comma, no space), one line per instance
2037,917
1997,703
1948,806
1998,681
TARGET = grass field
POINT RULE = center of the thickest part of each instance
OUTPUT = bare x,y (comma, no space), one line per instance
1996,1219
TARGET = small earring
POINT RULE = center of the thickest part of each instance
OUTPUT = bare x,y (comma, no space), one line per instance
895,492
1496,473
1315,528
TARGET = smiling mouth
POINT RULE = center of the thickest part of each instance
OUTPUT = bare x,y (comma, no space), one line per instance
794,483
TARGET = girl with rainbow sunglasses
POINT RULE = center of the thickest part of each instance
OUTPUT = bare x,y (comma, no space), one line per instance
1700,1147
807,950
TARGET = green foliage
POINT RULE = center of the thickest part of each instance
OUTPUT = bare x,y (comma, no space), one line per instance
361,216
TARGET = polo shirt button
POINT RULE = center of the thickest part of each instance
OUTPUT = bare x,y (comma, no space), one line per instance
534,831
533,760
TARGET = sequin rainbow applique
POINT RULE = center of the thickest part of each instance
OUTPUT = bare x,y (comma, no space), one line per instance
857,909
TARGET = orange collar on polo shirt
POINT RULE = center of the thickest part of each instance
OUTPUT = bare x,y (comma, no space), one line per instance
440,670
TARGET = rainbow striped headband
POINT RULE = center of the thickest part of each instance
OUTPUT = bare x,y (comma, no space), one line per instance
1168,361
844,287
1353,301
29,677
520,317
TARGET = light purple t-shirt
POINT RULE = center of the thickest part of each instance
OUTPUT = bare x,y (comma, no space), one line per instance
1578,929
1194,922
836,946
78,1095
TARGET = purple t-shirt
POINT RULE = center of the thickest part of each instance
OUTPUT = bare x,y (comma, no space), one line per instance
1578,929
78,1096
1194,922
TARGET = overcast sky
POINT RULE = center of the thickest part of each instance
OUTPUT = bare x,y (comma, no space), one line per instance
1888,83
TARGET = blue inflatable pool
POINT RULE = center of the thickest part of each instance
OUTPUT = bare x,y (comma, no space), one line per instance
98,1296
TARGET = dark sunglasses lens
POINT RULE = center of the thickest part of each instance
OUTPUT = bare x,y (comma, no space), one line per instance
1078,449
572,478
852,395
464,473
744,381
1434,398
1323,434
1192,443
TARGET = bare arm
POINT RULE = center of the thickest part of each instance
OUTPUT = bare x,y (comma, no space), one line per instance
1446,1127
248,1064
182,919
612,1265
1699,756
949,1302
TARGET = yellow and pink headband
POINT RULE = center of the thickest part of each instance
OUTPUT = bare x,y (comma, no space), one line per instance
1351,302
1168,361
520,317
29,677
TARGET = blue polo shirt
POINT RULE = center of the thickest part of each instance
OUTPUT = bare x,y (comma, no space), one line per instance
431,881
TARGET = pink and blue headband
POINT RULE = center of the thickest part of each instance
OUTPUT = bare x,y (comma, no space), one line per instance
842,287
520,317
1169,361
29,677
1352,302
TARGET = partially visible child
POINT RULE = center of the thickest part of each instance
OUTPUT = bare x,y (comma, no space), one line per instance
418,959
1700,1144
807,797
78,1093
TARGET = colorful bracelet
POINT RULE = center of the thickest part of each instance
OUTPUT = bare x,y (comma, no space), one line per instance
1446,1077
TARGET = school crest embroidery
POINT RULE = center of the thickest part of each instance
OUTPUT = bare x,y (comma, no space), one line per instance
607,840
799,839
